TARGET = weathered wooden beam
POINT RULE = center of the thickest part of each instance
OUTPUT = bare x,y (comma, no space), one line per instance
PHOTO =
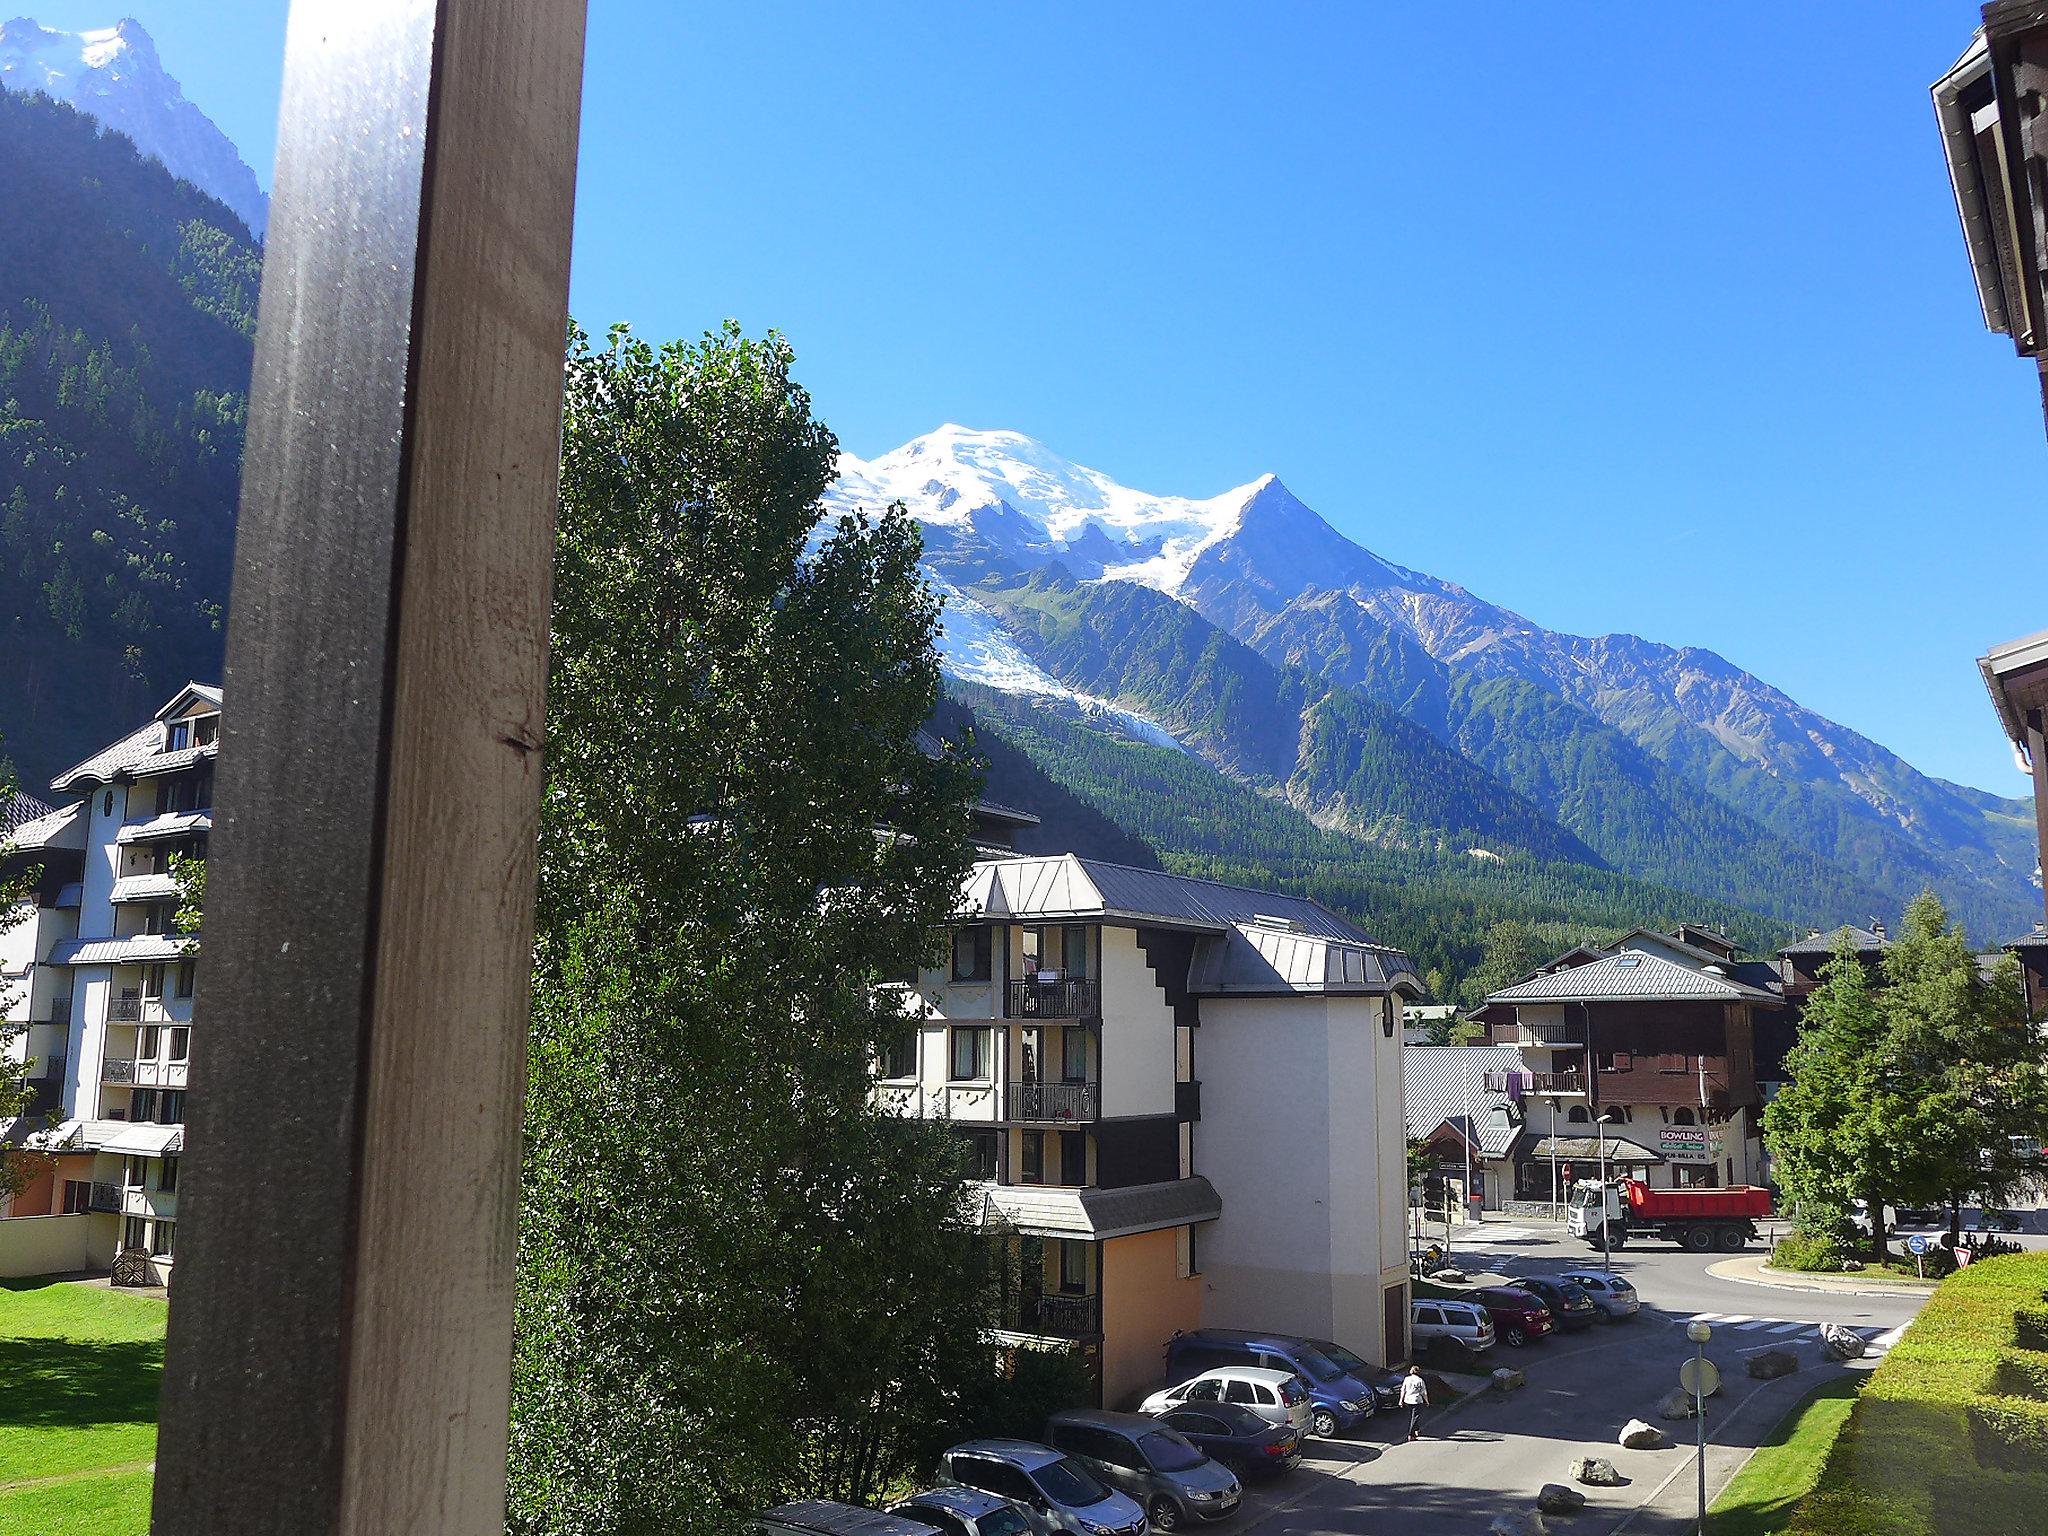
340,1331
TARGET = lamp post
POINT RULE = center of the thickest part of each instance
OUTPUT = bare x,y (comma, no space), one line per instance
1600,1122
1699,1333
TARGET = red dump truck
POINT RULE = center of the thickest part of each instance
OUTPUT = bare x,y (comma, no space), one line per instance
1699,1219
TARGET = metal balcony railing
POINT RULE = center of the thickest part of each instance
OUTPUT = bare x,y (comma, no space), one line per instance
118,1069
125,1010
1071,997
1066,1317
106,1197
1051,1101
1556,1082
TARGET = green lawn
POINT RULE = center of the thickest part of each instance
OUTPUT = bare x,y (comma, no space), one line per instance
1785,1467
81,1366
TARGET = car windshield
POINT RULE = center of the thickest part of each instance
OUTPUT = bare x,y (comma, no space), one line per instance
1003,1522
1167,1452
1344,1359
1067,1482
1318,1365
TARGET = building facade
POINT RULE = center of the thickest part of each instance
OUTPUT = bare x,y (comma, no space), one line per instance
1183,1100
111,993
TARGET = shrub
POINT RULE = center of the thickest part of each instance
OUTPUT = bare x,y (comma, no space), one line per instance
1807,1251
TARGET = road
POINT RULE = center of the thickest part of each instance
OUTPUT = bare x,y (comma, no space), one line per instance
1493,1453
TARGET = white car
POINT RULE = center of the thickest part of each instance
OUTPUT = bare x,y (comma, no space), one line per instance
1278,1397
1465,1321
1614,1296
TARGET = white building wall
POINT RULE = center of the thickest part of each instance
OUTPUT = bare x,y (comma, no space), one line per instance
1138,1043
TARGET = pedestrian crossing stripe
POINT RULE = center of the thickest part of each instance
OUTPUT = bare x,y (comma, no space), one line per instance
1778,1327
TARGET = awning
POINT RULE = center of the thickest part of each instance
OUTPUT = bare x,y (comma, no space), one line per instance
146,1141
1586,1149
1041,1210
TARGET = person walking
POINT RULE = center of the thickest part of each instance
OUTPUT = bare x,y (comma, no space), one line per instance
1415,1398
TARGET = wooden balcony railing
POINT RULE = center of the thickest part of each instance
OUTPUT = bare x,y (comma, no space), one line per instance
1051,1101
1072,997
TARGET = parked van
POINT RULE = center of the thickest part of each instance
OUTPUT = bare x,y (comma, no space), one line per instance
1465,1321
1059,1492
1337,1401
1175,1483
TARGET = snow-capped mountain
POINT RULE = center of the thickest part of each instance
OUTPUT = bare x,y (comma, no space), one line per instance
114,75
1608,735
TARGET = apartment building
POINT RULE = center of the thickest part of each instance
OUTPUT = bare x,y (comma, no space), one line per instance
110,992
1652,1037
1183,1100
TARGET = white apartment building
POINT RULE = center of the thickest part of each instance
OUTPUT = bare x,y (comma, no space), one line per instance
1184,1101
109,995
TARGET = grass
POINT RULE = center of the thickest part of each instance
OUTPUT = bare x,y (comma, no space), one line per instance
1785,1467
81,1367
1949,1436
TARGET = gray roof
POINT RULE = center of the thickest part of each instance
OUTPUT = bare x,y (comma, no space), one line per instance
1264,941
1632,976
1433,1090
64,828
140,949
17,809
2038,939
1044,1210
1586,1149
141,751
1824,943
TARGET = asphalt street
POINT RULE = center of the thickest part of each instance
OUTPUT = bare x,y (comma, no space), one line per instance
1492,1453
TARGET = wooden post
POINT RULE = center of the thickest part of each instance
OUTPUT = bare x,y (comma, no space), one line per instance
340,1335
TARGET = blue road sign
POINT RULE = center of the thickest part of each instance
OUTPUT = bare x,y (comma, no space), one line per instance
1916,1244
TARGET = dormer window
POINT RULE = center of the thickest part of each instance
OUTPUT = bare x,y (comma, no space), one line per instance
180,736
205,729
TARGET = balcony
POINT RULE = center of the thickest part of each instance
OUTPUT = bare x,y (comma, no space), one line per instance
1051,1102
125,1010
106,1197
1063,1317
118,1069
1551,1037
1518,1084
60,1011
1071,997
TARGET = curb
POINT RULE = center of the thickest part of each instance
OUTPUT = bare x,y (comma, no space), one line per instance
1793,1280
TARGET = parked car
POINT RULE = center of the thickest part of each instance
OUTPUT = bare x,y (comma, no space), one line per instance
822,1517
1614,1296
1518,1315
1237,1437
1278,1397
964,1512
1467,1322
1570,1307
1060,1493
1336,1401
1385,1384
1174,1481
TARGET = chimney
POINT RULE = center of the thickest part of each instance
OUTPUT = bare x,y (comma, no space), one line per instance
1813,933
1877,928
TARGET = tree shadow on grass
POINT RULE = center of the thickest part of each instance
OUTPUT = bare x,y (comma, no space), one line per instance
74,1383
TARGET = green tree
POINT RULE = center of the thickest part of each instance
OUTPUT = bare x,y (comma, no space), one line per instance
1512,951
738,1281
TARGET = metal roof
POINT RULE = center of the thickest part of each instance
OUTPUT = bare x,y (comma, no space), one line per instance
138,949
2038,939
1434,1082
1043,1210
141,750
1824,943
63,828
1265,941
2003,667
18,809
143,888
1586,1149
148,829
1632,976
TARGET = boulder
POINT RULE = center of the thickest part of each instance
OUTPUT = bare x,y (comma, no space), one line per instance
1677,1404
1636,1435
1772,1364
1518,1522
1598,1471
1508,1379
1441,1392
1841,1343
1556,1499
1448,1276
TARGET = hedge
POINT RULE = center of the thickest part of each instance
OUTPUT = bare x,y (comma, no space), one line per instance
1950,1434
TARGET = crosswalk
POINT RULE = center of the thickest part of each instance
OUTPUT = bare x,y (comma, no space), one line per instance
1765,1329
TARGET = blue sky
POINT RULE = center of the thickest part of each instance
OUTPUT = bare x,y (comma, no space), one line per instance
1622,321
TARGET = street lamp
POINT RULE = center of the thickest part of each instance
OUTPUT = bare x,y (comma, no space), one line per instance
1699,1333
1600,1124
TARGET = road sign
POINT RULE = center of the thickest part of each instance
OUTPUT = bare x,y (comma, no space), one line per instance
1916,1243
1699,1377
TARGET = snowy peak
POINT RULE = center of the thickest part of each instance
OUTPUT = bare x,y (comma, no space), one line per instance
113,74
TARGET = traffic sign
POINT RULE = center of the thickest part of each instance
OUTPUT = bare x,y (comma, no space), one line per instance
1916,1243
1699,1377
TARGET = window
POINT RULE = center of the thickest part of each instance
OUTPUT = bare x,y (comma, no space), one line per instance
77,1197
1576,1115
135,1172
205,729
981,1153
161,1238
1075,957
970,1055
167,1176
1073,1267
899,1056
156,918
1074,1055
141,1103
135,1233
1615,1061
153,982
1033,1169
971,953
181,1042
1073,1157
1239,1392
180,736
1210,1391
1682,1117
149,1043
174,1107
184,978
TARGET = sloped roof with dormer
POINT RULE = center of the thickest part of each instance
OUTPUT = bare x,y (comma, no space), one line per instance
141,751
1631,976
1865,941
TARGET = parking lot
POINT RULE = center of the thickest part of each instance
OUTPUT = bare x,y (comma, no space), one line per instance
1491,1453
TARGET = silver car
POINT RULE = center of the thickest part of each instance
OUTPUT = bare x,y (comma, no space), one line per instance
1278,1397
964,1512
1614,1296
1152,1462
1059,1492
1466,1321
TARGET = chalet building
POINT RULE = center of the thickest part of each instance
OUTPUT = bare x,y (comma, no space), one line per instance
1655,1038
2032,954
1183,1100
1467,1107
110,995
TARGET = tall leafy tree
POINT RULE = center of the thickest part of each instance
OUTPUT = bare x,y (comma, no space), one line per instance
1513,949
738,1281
